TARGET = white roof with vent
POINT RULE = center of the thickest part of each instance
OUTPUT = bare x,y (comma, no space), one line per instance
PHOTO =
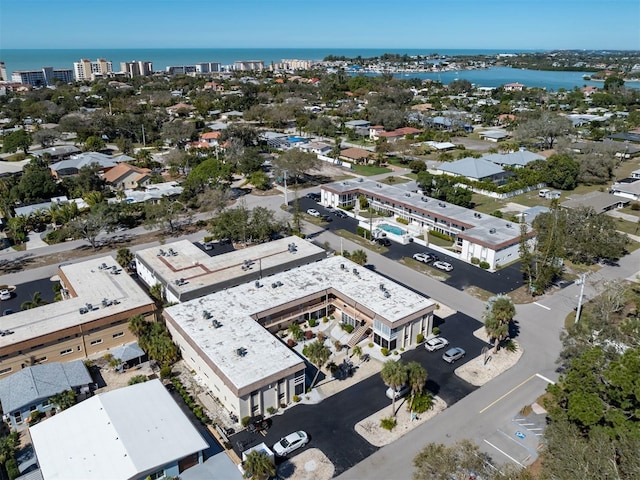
245,352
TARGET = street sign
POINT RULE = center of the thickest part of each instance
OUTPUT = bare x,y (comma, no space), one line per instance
519,434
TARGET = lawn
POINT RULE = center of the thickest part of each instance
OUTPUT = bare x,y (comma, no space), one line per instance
368,170
627,227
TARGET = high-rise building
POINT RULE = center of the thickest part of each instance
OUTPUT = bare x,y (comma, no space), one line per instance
208,67
87,70
136,68
44,77
3,73
248,65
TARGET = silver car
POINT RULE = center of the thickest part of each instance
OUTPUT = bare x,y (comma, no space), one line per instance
436,343
291,442
453,354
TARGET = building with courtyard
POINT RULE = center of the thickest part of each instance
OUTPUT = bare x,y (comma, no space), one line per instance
228,337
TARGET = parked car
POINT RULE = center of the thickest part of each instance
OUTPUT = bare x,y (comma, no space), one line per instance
291,442
258,424
453,354
313,212
399,392
385,242
8,311
436,343
447,267
327,218
5,294
313,196
329,208
420,257
208,245
340,214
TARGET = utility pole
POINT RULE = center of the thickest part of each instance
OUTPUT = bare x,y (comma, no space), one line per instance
286,202
144,141
582,280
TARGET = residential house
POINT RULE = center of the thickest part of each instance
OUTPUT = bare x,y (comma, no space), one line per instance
356,155
29,390
214,86
319,148
131,433
124,176
180,109
517,159
357,124
477,169
627,189
493,135
394,135
513,87
600,202
587,91
58,153
152,193
73,165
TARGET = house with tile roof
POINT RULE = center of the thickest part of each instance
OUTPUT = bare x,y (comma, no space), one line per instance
29,390
393,135
124,176
356,155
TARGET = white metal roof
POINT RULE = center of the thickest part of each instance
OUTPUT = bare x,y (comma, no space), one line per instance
121,434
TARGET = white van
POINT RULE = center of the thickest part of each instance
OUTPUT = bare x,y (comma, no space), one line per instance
543,192
552,195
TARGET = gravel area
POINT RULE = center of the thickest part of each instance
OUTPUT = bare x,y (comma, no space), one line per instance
311,464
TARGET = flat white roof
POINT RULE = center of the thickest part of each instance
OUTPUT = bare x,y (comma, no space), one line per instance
121,434
184,261
92,285
265,354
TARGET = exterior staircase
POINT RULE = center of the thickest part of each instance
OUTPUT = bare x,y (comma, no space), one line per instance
358,333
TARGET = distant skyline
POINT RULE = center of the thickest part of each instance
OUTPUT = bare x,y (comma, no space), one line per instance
442,24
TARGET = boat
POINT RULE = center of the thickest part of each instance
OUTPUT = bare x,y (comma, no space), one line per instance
586,77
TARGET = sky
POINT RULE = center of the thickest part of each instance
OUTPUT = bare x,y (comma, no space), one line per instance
437,24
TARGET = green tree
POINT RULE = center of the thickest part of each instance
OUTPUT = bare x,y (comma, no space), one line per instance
164,214
14,141
90,225
394,374
64,399
562,172
545,127
296,331
258,465
124,257
417,378
440,462
36,183
94,144
46,136
318,354
295,163
35,302
498,315
359,256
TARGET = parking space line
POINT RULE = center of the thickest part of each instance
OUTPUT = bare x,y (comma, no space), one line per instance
506,394
504,453
545,379
515,441
543,306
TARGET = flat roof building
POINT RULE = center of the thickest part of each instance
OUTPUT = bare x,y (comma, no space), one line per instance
187,272
99,299
227,337
131,433
476,235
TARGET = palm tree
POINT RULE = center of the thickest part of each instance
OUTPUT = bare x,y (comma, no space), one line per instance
124,257
258,465
36,301
394,375
417,376
296,332
359,257
498,315
357,351
138,325
318,354
64,400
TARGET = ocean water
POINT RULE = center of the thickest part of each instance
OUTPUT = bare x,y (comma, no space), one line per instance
16,59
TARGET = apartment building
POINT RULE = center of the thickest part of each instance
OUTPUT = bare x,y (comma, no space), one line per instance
42,78
99,298
86,70
136,68
248,65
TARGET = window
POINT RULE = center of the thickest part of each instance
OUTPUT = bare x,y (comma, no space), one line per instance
18,417
96,342
118,335
4,371
67,351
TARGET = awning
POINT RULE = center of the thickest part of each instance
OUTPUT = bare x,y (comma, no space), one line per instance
128,352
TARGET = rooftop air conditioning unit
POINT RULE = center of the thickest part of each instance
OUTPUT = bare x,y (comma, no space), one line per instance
493,230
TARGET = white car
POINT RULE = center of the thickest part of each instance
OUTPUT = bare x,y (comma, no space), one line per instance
447,267
436,343
313,212
400,391
5,294
291,442
420,257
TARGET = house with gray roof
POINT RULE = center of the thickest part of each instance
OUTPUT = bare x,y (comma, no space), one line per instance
30,389
478,169
599,201
59,152
493,135
73,165
357,124
517,159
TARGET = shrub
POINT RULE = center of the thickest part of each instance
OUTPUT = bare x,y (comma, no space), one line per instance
443,236
419,338
475,260
484,265
272,410
337,345
403,221
313,322
296,398
395,352
422,401
362,232
325,319
308,334
245,420
321,337
208,238
370,344
435,331
347,328
635,206
384,351
511,346
497,214
283,405
388,423
11,465
138,379
165,371
291,343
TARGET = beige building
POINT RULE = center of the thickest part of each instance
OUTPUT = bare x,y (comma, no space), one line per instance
87,70
228,339
99,299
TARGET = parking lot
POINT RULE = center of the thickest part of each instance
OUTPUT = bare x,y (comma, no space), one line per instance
463,275
24,293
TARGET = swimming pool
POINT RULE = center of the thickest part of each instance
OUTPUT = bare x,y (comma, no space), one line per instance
392,229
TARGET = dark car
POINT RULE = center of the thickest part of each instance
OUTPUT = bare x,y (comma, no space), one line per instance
327,218
340,214
385,242
258,424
